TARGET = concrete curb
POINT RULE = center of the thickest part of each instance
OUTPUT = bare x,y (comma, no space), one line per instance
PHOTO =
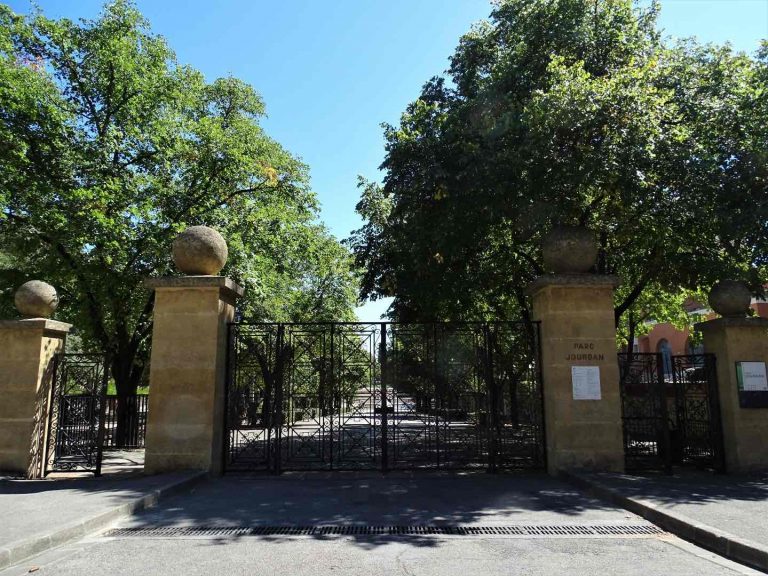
723,543
16,552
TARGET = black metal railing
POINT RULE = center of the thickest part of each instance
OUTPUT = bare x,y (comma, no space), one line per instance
384,396
670,411
125,426
696,438
76,417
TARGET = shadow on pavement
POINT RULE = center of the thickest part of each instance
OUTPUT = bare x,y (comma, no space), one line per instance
35,508
733,504
691,487
418,499
117,465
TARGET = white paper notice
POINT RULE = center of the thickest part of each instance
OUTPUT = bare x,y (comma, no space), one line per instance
586,382
753,376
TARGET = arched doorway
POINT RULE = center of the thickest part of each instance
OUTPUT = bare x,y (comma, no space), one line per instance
663,347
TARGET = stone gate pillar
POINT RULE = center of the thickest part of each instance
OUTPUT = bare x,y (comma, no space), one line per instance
27,353
740,344
580,371
185,424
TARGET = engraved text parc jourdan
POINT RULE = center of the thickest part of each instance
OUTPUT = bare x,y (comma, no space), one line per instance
584,355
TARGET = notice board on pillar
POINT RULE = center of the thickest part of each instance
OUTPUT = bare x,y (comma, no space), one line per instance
586,382
752,380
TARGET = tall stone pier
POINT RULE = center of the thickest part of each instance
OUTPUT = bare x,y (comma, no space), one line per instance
27,362
580,371
188,361
740,344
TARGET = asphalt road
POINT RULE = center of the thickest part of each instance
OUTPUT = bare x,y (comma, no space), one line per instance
395,500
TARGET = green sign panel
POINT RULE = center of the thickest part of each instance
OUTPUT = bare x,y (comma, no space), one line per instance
751,376
753,384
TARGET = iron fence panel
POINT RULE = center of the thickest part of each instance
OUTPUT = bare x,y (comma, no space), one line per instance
349,396
131,432
670,412
76,418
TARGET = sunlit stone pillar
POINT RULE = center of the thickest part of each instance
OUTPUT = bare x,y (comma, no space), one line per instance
740,345
27,360
582,402
185,423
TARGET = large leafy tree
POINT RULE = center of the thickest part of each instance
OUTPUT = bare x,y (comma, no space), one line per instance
577,112
109,147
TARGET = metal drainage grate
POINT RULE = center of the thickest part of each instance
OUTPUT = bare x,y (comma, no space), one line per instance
355,530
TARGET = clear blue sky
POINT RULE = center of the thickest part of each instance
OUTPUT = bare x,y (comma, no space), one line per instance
331,71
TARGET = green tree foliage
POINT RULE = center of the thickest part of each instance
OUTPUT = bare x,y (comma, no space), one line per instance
576,112
109,147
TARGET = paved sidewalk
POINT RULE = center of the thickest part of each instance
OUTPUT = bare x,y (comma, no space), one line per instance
725,513
41,514
191,534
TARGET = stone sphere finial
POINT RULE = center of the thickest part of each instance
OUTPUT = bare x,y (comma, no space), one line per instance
36,299
200,250
730,298
569,250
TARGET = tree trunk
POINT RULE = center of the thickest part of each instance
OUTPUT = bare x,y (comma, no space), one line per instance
127,375
626,369
631,337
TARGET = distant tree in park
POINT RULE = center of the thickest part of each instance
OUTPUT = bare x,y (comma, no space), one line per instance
575,112
109,147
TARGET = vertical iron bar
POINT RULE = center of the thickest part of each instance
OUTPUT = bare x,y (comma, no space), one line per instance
624,368
102,396
490,384
50,444
715,421
680,388
332,393
280,369
437,390
134,413
229,360
384,373
136,402
663,424
129,419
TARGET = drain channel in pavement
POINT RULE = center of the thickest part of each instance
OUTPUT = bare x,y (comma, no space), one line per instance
568,531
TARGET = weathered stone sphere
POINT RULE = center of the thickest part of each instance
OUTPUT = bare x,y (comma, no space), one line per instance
730,298
36,299
569,250
200,250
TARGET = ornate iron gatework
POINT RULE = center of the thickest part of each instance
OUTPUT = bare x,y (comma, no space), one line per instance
346,396
697,437
670,412
644,411
76,420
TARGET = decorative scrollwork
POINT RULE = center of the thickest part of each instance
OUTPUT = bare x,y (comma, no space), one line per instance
670,415
77,412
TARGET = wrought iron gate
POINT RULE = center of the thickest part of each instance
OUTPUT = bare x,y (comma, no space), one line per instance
76,419
334,396
671,415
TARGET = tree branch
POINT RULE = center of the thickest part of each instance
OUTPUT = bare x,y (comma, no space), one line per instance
93,305
632,296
